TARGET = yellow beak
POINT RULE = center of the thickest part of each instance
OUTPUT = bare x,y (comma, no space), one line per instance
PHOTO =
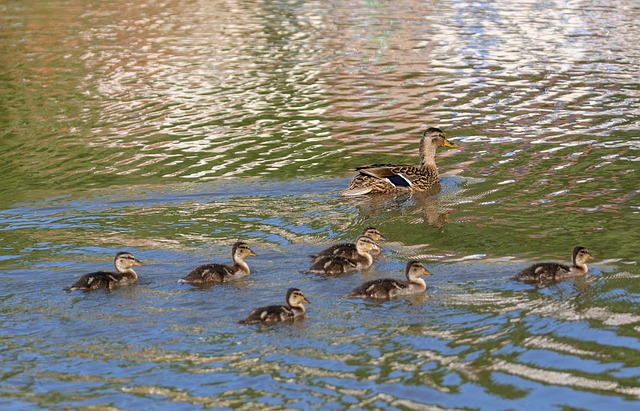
447,143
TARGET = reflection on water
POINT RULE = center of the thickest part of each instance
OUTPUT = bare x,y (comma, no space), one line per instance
175,129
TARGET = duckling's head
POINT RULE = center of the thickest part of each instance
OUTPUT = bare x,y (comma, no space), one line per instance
241,250
295,298
373,233
433,138
365,244
415,269
124,260
581,255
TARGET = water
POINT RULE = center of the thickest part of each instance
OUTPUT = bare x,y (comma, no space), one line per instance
174,129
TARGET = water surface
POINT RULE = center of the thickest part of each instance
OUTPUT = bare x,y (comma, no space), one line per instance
174,129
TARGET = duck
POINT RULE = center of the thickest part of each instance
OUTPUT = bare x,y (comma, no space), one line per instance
220,273
386,288
388,178
338,264
349,249
276,313
124,275
542,272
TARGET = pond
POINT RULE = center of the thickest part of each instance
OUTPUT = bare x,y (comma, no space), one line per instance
174,129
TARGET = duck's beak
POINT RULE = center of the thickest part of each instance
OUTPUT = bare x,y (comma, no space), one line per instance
590,257
137,262
447,143
304,300
252,254
426,272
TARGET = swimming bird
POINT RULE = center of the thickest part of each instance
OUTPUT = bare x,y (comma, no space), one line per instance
276,313
123,276
542,272
385,288
387,178
349,249
337,264
220,273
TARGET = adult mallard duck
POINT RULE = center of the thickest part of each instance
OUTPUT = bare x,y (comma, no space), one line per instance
387,178
349,250
337,264
390,288
123,276
542,272
276,313
220,273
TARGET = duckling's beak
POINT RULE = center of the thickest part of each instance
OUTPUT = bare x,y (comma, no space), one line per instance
590,257
447,143
304,300
252,254
137,262
426,272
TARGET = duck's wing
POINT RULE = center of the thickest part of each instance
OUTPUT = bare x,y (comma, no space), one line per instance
398,175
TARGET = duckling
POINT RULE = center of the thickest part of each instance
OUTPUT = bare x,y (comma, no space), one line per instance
219,273
123,276
276,313
542,272
387,178
337,264
349,249
385,288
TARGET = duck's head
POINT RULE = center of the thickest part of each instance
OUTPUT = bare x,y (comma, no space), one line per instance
365,244
581,255
415,269
435,137
125,259
295,298
373,233
241,250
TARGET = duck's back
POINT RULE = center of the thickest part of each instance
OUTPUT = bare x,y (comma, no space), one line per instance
98,280
543,272
347,250
333,265
208,273
382,288
269,314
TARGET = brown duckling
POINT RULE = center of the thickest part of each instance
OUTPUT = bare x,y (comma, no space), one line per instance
386,288
337,264
349,250
542,272
277,313
220,273
123,276
387,178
